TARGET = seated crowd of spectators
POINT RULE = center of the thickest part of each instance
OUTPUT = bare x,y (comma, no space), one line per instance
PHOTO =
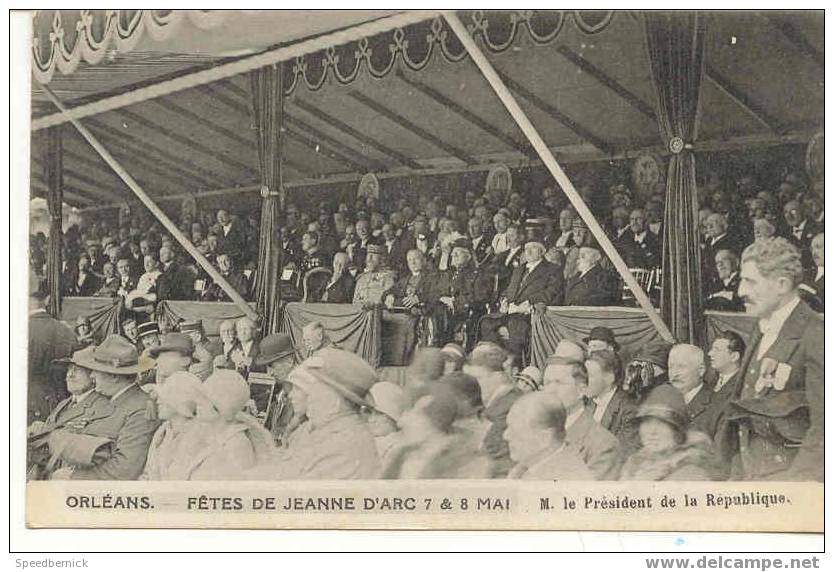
470,271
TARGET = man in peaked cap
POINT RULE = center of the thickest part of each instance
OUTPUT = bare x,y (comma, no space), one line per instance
329,388
172,355
110,442
202,359
376,280
148,334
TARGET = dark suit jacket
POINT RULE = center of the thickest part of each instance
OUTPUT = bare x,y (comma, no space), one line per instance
425,288
233,243
544,285
800,345
341,291
483,252
504,265
175,283
640,255
734,304
810,230
595,288
705,411
619,420
236,279
727,242
108,288
88,287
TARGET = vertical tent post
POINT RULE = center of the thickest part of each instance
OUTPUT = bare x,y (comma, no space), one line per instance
157,212
54,175
553,166
267,86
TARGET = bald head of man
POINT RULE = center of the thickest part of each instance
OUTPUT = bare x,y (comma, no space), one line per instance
535,427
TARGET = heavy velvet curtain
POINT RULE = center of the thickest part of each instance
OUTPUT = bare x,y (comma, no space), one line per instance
676,49
348,326
54,176
104,314
267,115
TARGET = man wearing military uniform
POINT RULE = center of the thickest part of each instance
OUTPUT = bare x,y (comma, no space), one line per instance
778,418
376,280
313,257
110,439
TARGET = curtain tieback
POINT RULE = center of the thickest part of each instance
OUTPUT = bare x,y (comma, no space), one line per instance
677,145
265,192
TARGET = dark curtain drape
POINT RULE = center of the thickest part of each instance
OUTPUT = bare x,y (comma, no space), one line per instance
104,314
347,325
675,42
54,176
267,115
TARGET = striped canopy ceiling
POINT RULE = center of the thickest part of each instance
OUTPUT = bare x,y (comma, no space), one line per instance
411,101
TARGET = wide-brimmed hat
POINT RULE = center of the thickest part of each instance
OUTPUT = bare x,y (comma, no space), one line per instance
666,403
174,342
114,355
274,347
603,334
147,329
389,398
344,372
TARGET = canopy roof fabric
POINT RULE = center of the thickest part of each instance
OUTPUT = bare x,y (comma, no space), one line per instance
409,100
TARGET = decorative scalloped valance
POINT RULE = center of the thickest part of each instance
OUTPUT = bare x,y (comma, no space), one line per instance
414,46
65,39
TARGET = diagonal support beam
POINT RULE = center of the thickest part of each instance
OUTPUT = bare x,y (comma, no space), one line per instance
551,110
156,211
798,39
608,81
359,136
413,127
477,120
741,99
552,165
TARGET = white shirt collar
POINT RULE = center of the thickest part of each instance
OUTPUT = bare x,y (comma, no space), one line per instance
820,273
728,280
800,227
717,238
773,324
602,400
640,237
690,395
247,346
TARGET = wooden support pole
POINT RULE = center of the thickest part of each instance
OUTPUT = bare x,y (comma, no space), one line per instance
553,166
156,211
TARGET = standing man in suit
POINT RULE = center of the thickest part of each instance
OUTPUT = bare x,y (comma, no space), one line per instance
613,408
481,246
49,340
595,445
232,238
535,285
717,239
780,413
505,263
591,285
175,282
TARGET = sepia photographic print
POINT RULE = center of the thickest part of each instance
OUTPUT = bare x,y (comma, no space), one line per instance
404,269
